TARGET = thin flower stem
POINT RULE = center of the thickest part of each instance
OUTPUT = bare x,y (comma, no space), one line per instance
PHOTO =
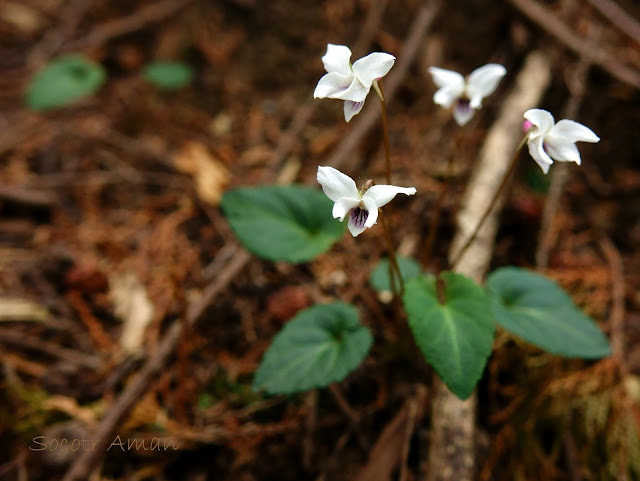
503,184
435,219
394,269
385,131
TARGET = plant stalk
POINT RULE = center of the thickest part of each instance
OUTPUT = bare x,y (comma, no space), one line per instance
435,219
503,184
394,269
385,131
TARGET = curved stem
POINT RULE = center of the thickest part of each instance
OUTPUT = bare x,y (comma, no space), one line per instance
394,269
385,130
503,184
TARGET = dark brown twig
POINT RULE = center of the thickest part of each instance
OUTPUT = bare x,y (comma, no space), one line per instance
17,338
616,318
69,19
311,402
621,19
560,173
353,416
370,26
155,12
587,50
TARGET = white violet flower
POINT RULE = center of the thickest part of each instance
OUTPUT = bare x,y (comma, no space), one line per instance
351,83
547,140
467,94
361,205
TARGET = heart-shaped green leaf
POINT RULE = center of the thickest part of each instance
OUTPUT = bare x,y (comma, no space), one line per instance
455,337
536,309
282,223
168,75
379,278
321,345
64,81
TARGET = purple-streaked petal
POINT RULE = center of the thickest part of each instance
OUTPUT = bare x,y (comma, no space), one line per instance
537,152
336,185
483,81
343,206
374,66
382,194
357,221
337,59
371,206
332,85
351,109
463,112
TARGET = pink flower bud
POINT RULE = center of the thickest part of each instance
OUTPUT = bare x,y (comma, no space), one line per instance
526,126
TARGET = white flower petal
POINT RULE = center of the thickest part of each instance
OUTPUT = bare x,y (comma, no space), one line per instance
358,218
573,132
351,109
331,85
382,194
354,229
337,59
562,150
450,84
445,97
463,113
336,185
483,81
371,206
536,150
542,122
446,78
343,206
372,67
356,92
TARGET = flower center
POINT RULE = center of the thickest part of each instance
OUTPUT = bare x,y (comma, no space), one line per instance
359,216
464,106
